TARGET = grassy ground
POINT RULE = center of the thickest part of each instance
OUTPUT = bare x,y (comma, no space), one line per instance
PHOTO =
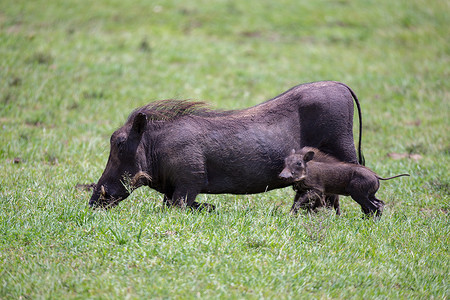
70,73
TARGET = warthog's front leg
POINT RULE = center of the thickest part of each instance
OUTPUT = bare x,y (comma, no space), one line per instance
184,199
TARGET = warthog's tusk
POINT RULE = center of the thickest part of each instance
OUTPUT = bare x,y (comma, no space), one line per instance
141,176
103,192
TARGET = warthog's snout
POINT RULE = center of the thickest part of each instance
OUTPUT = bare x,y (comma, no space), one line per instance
101,198
98,196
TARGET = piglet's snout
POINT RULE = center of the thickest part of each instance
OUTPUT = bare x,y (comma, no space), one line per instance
285,175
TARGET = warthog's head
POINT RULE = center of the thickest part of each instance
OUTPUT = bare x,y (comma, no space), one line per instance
125,170
295,166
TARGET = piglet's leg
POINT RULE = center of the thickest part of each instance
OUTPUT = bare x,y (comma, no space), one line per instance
332,201
309,200
295,205
379,204
371,206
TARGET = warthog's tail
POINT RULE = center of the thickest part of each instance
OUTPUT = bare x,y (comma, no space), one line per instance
361,159
388,178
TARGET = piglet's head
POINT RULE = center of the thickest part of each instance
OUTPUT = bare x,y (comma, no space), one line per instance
295,166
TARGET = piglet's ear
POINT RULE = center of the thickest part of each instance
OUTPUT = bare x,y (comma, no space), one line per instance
139,123
308,156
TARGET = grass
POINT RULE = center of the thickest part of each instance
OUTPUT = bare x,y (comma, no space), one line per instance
71,72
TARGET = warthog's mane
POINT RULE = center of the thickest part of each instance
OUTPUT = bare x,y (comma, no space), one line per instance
167,110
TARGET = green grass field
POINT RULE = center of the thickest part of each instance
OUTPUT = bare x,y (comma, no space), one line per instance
71,72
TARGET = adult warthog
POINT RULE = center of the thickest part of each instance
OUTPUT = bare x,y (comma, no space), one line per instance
182,148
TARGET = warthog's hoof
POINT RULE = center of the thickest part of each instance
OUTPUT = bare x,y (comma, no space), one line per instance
204,206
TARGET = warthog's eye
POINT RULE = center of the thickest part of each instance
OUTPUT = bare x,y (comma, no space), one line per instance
120,143
299,164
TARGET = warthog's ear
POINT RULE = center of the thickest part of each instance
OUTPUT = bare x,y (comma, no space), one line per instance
308,156
140,123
